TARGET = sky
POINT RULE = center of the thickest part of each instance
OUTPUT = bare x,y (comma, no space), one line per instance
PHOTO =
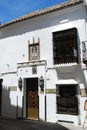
11,9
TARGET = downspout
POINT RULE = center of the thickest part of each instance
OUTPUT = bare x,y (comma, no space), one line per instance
45,93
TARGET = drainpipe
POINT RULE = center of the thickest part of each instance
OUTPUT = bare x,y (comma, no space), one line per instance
45,92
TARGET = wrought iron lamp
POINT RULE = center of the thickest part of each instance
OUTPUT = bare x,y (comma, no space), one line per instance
20,83
41,81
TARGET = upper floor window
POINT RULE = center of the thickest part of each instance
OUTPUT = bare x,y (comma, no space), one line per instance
65,49
34,51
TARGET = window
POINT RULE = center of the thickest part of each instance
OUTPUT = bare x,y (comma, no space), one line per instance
65,48
67,90
34,53
67,102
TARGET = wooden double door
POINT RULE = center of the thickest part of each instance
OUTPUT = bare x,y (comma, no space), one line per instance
32,100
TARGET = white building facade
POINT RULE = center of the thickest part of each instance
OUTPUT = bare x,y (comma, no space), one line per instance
43,72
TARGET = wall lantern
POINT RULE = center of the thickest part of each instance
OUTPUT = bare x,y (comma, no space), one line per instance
41,81
20,83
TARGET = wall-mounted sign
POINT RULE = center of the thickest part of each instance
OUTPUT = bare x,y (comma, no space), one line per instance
83,92
85,105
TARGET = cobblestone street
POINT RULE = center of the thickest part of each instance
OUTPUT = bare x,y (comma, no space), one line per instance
12,124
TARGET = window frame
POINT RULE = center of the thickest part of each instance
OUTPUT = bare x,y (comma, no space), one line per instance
67,104
62,41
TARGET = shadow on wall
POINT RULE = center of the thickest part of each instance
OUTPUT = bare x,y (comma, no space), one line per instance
10,109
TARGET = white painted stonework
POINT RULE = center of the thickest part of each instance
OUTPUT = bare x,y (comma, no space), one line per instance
14,63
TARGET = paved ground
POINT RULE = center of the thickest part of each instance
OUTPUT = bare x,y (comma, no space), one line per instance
12,124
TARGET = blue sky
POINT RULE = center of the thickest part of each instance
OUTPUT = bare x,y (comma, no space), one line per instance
11,9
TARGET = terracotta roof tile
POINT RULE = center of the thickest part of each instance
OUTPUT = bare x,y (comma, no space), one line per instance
43,11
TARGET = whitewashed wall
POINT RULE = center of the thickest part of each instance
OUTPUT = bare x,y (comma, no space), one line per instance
14,49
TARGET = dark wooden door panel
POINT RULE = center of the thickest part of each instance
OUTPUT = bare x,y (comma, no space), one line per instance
32,99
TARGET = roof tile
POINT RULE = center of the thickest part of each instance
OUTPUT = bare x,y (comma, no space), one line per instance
43,11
